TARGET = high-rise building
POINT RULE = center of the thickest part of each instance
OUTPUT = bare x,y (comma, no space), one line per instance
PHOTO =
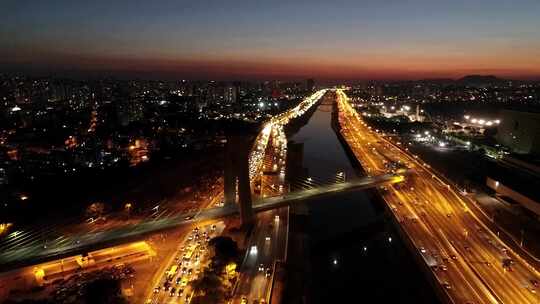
520,131
310,85
232,93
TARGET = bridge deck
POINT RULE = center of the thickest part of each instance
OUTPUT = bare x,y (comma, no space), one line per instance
92,241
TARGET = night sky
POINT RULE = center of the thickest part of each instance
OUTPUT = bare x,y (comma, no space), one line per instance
243,39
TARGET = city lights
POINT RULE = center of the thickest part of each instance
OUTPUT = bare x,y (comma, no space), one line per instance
253,152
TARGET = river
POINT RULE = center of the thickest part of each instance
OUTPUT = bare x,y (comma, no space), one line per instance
353,253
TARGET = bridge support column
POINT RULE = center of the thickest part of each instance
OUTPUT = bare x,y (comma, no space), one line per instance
229,176
237,170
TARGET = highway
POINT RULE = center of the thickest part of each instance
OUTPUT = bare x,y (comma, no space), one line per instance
268,240
184,266
468,260
267,245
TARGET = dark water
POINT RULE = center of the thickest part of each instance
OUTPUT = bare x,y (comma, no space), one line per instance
355,256
323,154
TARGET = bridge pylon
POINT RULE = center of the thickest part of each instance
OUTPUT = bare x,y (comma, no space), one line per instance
236,176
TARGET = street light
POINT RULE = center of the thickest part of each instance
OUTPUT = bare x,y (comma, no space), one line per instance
128,207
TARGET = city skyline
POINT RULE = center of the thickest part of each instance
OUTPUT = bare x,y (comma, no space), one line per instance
245,40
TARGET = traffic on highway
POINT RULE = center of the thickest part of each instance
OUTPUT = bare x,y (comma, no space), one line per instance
174,284
468,260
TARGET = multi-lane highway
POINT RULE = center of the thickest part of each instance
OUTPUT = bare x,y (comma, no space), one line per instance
266,247
174,284
469,261
268,240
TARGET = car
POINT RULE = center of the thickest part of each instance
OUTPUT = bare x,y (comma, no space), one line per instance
156,290
244,300
447,285
189,217
267,238
190,271
422,250
507,263
534,282
180,292
166,285
178,280
184,282
261,267
268,272
453,257
440,267
213,227
173,292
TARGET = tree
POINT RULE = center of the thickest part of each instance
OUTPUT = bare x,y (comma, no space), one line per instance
106,291
213,286
209,288
490,132
95,210
29,301
225,248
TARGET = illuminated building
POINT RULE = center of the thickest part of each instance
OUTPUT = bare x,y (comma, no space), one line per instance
520,131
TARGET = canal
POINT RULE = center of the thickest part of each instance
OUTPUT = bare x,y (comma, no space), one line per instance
352,253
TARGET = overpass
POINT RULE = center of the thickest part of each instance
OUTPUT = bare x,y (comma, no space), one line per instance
82,243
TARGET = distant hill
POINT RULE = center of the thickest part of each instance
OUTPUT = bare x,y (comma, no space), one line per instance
439,81
480,80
